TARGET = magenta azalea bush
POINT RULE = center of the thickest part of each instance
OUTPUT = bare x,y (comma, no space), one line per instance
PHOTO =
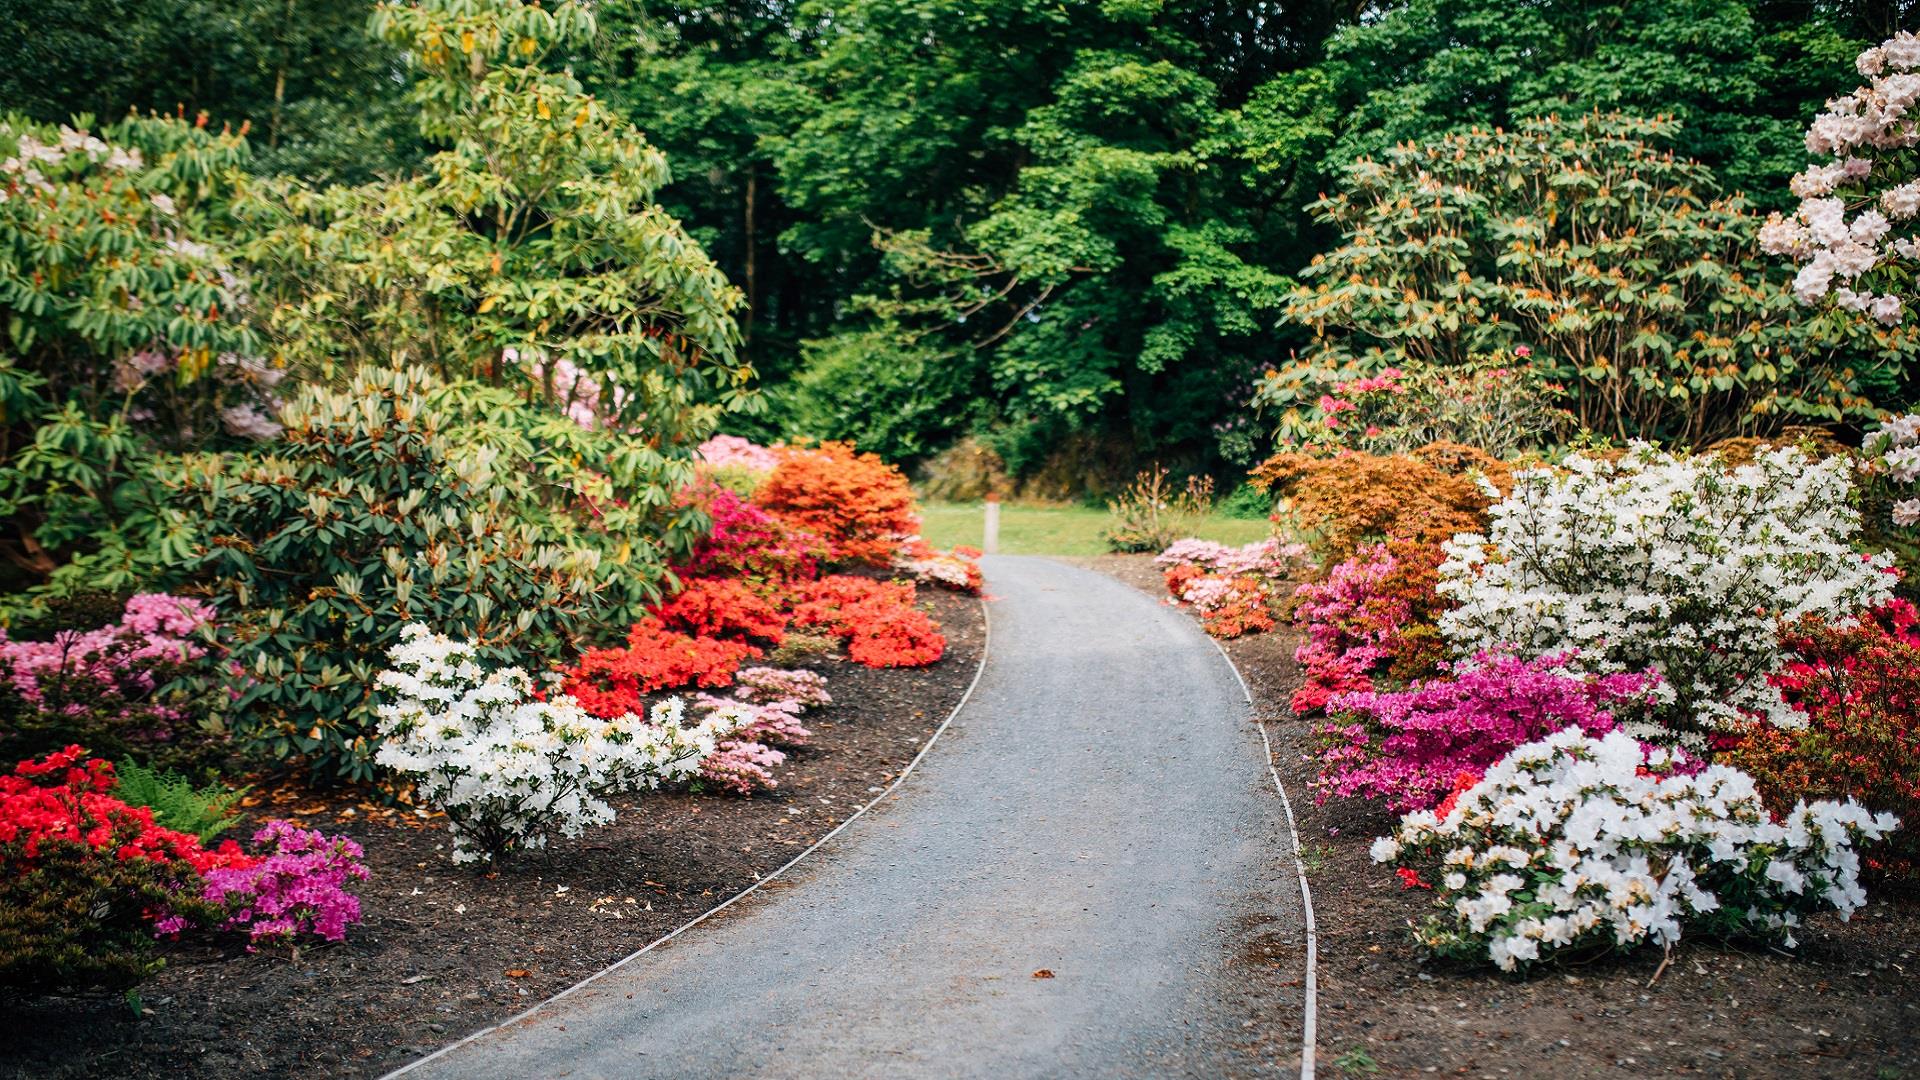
296,885
1406,748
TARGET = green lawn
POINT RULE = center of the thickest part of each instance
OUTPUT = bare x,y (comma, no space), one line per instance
1054,530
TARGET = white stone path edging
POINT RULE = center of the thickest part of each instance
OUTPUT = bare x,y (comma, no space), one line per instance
986,642
1309,1027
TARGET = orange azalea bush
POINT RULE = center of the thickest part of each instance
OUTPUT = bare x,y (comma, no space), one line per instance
861,505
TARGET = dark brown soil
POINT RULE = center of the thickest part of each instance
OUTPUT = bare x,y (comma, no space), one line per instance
445,950
1845,1004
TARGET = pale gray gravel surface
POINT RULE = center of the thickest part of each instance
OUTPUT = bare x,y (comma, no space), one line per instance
1099,810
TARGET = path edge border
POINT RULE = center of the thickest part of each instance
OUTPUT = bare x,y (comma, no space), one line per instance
1309,1025
986,646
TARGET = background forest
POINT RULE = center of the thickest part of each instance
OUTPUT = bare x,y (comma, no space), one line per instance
1074,231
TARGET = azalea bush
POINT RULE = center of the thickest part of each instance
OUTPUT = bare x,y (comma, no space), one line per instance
768,705
295,883
1576,844
1373,617
133,685
1857,686
1233,589
508,768
858,504
876,619
1406,748
1887,478
87,881
1680,565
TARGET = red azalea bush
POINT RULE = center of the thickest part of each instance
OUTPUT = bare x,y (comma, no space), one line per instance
1859,687
878,619
1374,615
722,608
609,682
1408,748
858,503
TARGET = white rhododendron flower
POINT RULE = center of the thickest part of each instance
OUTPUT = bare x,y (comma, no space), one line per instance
1679,564
1569,842
507,768
1865,135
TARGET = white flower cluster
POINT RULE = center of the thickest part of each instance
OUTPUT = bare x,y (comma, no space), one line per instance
1895,450
1680,564
506,768
1568,843
30,153
1866,133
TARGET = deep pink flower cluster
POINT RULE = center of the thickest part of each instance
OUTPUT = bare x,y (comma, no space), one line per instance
1407,748
297,884
1371,615
154,628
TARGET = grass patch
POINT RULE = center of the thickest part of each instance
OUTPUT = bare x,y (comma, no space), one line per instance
1031,529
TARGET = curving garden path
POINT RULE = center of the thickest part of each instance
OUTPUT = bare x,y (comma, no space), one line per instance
1098,809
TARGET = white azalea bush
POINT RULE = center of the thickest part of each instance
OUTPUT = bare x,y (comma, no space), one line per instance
1569,844
1679,564
506,768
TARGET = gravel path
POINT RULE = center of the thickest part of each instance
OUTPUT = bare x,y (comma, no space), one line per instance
1098,811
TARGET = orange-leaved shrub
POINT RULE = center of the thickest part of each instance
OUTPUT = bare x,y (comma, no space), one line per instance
1342,502
860,505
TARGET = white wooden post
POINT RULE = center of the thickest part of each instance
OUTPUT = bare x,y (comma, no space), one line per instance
990,543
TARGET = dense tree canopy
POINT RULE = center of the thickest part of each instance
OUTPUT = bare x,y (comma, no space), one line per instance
1053,225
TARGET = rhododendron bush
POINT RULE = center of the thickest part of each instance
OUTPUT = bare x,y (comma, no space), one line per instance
1406,748
507,768
1680,565
1575,843
1854,233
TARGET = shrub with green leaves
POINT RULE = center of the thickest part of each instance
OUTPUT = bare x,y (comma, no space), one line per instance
1633,281
369,517
177,804
124,336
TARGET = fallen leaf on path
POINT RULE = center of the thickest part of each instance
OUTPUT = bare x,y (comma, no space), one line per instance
1043,973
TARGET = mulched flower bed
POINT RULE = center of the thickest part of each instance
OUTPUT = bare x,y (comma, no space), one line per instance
1844,1004
446,950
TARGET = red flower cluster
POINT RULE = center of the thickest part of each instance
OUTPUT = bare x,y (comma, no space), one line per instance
608,682
64,798
1859,687
723,608
878,619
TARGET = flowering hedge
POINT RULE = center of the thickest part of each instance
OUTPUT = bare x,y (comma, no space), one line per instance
507,768
1681,565
1574,843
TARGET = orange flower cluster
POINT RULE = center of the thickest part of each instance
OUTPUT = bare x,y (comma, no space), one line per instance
858,503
